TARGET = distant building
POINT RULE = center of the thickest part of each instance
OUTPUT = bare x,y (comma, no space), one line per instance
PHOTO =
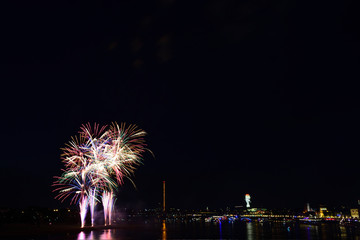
354,213
308,208
322,212
256,211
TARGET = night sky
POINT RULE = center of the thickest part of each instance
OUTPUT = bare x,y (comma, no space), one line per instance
237,97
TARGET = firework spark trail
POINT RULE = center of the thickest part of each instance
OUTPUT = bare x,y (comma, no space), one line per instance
76,179
110,207
91,161
92,203
105,202
83,209
108,203
92,149
120,157
125,150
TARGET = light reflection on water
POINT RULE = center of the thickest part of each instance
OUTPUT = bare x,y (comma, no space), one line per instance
250,231
163,230
220,230
241,230
106,234
81,236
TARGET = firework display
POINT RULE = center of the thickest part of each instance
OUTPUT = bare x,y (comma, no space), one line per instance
108,203
95,165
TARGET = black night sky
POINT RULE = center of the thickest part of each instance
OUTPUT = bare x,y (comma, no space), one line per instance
237,97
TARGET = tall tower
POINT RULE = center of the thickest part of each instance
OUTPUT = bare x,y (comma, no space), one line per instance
247,200
164,196
308,209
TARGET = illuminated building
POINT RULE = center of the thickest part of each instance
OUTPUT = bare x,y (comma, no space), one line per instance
247,200
322,212
354,213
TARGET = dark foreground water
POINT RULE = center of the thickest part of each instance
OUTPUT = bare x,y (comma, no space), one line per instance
202,230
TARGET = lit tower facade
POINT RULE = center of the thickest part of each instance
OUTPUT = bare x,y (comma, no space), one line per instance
247,200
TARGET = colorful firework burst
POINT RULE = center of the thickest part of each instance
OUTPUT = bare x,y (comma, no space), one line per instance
93,160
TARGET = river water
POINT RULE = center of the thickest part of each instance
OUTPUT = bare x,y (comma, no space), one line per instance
198,230
225,230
